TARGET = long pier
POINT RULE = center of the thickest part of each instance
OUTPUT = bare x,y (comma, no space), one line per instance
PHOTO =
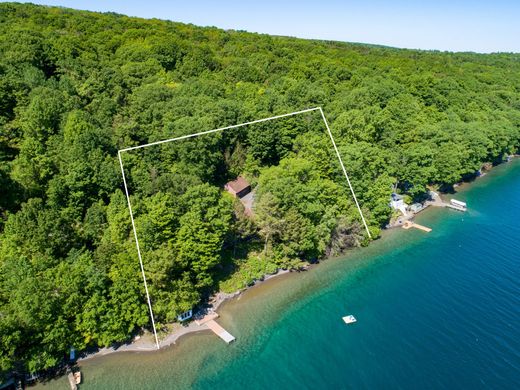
220,331
210,322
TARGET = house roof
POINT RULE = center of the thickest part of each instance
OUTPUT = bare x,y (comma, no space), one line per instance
239,184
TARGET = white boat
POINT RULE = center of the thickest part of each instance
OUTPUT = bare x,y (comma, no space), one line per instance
458,203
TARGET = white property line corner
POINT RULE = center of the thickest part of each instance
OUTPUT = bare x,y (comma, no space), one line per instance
345,172
215,131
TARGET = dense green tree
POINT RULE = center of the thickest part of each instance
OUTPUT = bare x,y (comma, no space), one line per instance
269,218
202,231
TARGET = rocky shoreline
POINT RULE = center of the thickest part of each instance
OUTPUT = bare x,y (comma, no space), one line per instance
146,342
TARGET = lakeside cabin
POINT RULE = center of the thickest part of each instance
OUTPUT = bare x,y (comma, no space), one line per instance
241,189
416,207
238,187
397,203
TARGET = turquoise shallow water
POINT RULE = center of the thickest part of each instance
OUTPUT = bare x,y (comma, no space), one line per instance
435,311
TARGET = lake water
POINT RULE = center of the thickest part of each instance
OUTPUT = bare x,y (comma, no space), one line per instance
437,310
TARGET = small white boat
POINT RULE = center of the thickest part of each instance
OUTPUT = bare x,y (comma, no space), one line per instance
350,319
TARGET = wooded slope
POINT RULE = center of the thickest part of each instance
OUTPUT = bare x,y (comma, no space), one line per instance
77,86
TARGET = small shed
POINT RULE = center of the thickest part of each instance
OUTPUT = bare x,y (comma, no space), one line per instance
185,316
416,207
433,195
238,187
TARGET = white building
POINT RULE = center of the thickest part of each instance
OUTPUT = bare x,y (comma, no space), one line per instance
185,316
416,207
397,203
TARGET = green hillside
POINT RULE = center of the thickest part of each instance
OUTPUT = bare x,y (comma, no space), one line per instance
75,87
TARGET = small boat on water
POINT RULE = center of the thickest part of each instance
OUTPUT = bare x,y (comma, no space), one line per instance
350,319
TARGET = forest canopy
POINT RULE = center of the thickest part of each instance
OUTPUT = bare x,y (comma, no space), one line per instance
76,86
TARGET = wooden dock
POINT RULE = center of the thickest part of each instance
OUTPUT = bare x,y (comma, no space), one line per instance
72,381
209,321
410,224
206,319
220,331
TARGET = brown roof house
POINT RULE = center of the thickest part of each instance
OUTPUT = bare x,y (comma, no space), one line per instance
239,187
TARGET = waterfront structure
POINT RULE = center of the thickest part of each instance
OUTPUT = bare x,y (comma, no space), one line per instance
350,319
185,316
416,207
457,205
397,203
211,324
220,331
409,224
433,195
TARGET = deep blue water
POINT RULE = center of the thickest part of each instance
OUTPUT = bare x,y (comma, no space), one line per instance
435,311
439,312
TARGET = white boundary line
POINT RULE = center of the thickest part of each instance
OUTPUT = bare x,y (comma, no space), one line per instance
138,250
220,129
215,131
345,172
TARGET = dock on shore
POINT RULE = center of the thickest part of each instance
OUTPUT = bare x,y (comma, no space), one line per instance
72,381
206,318
210,322
220,331
410,224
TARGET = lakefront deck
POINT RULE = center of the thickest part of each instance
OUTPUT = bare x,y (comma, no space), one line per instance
410,224
209,321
